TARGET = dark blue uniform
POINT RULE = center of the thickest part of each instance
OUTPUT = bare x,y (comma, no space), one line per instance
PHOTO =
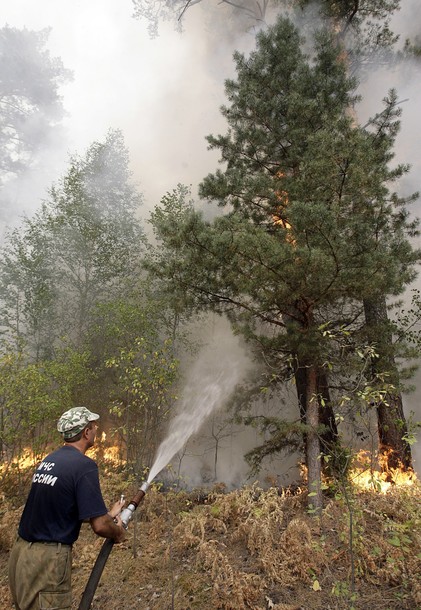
65,491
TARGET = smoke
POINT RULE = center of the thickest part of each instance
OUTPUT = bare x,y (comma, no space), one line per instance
164,94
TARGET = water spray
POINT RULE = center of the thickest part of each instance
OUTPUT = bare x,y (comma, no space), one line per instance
193,412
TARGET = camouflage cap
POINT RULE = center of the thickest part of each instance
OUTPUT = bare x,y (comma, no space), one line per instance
74,421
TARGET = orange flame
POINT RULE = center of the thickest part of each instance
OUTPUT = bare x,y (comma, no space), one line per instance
105,454
278,219
371,474
367,475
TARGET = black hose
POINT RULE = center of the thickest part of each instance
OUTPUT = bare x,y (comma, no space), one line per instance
97,570
101,560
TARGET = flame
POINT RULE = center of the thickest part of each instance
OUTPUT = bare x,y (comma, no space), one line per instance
26,461
278,218
372,474
108,455
112,454
367,475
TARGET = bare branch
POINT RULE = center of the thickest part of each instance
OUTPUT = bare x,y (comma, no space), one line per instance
187,5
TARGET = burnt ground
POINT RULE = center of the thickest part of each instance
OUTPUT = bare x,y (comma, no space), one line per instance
250,549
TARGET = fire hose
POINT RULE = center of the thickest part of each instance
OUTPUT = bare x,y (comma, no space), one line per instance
125,516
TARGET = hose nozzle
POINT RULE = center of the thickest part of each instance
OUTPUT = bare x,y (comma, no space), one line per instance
144,487
127,513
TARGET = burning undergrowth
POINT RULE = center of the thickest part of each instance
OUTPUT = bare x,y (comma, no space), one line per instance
252,549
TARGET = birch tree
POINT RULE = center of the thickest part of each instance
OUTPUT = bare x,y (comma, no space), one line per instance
80,249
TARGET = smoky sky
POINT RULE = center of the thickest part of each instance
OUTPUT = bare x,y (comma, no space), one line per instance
164,94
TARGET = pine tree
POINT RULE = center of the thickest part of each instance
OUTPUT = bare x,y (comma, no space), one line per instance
310,222
362,30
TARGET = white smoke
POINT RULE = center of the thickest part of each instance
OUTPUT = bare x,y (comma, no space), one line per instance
164,94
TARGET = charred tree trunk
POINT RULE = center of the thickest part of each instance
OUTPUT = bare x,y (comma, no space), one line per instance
390,416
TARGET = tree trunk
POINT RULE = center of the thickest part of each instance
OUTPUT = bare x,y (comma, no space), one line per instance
390,416
329,436
315,500
307,379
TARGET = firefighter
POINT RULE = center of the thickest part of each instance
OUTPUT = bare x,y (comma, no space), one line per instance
65,492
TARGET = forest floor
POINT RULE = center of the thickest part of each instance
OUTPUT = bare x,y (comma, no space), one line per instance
250,549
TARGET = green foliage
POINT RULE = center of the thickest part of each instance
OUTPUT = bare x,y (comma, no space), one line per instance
142,369
407,325
136,372
81,248
28,289
91,220
145,374
32,397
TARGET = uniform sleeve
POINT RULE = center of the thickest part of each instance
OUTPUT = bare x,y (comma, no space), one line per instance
90,502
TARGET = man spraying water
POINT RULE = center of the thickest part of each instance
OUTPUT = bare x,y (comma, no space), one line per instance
65,492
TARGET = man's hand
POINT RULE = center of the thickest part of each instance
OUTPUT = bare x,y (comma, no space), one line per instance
108,527
122,533
117,508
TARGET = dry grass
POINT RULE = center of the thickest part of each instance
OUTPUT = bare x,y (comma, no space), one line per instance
251,549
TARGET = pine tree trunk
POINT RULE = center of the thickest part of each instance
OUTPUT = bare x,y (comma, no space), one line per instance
329,437
315,500
390,415
326,417
307,377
